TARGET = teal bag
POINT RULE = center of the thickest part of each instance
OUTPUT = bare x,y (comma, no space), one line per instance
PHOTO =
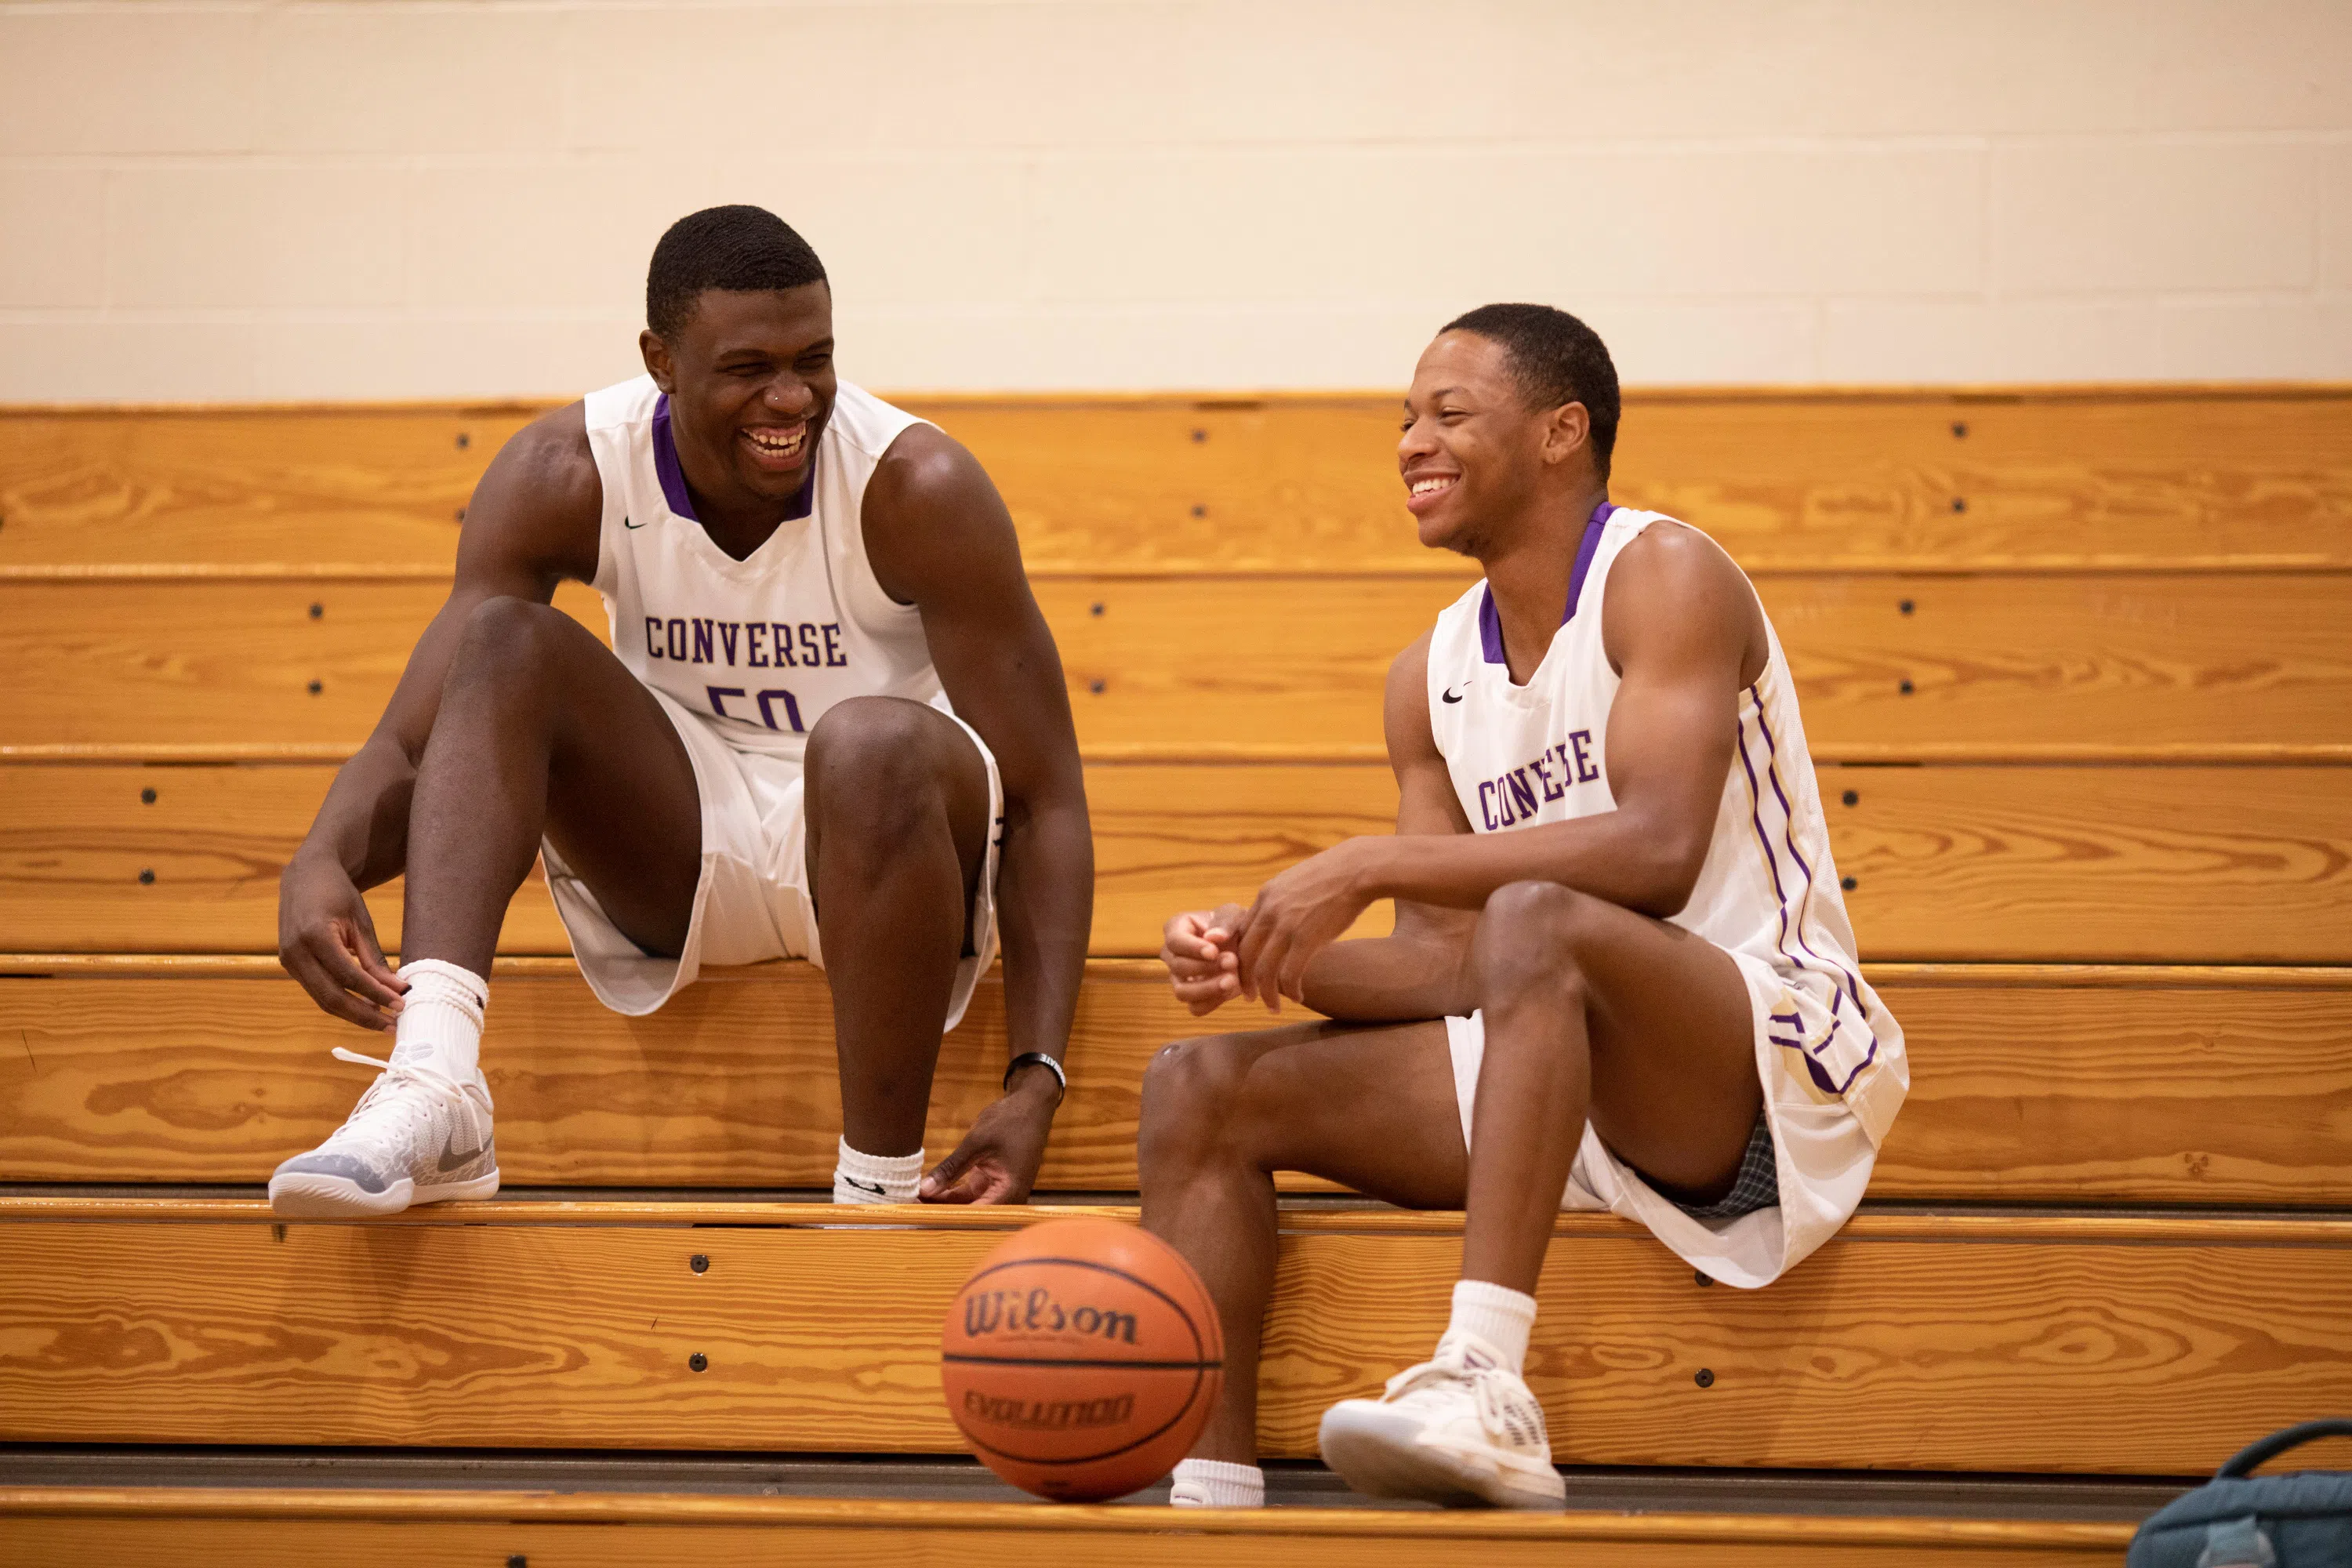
2242,1520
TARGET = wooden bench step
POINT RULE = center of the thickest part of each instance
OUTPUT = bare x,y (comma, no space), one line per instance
283,1528
2035,863
2024,476
1958,1343
1992,659
2200,1085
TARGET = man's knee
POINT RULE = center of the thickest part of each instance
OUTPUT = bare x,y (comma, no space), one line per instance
876,743
1193,1099
1531,939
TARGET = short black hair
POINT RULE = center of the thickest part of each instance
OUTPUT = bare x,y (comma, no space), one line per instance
1556,358
735,248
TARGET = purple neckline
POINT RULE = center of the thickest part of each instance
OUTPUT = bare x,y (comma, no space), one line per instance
673,478
1490,620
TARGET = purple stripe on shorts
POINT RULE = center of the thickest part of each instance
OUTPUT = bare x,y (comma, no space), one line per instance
1852,981
1772,863
1772,772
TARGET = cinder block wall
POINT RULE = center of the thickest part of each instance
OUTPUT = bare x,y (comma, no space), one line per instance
355,200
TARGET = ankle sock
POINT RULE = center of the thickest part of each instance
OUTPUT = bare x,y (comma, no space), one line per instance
1215,1483
875,1178
440,1024
1496,1314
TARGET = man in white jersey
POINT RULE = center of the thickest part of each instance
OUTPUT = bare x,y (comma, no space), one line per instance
1622,975
832,724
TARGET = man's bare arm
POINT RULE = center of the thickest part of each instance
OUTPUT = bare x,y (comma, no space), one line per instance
531,523
940,538
1685,635
1416,972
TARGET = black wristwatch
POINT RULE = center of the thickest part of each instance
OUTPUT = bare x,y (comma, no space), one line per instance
1024,1059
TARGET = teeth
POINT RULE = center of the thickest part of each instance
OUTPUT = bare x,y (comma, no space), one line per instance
778,443
1429,487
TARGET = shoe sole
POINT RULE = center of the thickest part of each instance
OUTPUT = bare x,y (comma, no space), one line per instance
1376,1455
301,1194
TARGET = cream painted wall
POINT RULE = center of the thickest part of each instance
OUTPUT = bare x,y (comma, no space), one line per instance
356,200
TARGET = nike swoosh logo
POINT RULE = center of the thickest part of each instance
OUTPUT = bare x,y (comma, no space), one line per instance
873,1187
451,1158
626,523
1449,696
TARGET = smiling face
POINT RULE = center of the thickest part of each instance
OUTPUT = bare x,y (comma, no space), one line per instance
751,383
1473,455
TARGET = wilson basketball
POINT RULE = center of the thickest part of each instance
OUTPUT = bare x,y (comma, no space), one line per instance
1081,1358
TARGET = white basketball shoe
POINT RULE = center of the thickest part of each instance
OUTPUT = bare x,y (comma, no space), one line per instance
415,1136
1460,1430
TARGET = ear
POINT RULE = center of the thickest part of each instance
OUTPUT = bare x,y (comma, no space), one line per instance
657,360
1565,432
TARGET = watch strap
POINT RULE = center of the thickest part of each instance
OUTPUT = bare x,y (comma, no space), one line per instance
1024,1059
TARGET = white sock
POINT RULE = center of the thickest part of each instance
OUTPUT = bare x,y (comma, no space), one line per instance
875,1178
1213,1483
1496,1314
440,1022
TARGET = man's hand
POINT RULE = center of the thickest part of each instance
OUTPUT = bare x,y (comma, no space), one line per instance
326,940
997,1162
1301,913
1202,952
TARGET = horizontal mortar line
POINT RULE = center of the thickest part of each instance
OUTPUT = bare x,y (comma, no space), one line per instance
1958,754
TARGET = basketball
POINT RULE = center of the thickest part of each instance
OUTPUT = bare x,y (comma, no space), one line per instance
1081,1358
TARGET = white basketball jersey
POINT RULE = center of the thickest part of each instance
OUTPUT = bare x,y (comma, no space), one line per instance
762,647
1522,755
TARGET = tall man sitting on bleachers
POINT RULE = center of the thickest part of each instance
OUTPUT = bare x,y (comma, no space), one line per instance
1622,975
832,724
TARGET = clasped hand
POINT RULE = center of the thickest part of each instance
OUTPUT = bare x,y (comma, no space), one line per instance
1263,951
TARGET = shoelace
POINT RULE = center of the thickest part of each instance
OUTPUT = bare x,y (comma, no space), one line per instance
1487,1390
410,1111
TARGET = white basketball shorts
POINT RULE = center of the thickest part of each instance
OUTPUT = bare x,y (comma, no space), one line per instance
752,902
1823,1156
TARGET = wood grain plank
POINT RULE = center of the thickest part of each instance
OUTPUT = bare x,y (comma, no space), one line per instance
1940,1227
260,1528
87,862
177,661
2098,865
243,485
1834,479
2231,865
2016,1356
2040,477
1878,659
1883,659
74,842
2139,1090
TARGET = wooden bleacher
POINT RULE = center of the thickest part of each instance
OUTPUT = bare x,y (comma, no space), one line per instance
2073,666
2196,1085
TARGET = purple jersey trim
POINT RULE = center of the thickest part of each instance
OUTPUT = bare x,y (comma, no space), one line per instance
1490,621
673,478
